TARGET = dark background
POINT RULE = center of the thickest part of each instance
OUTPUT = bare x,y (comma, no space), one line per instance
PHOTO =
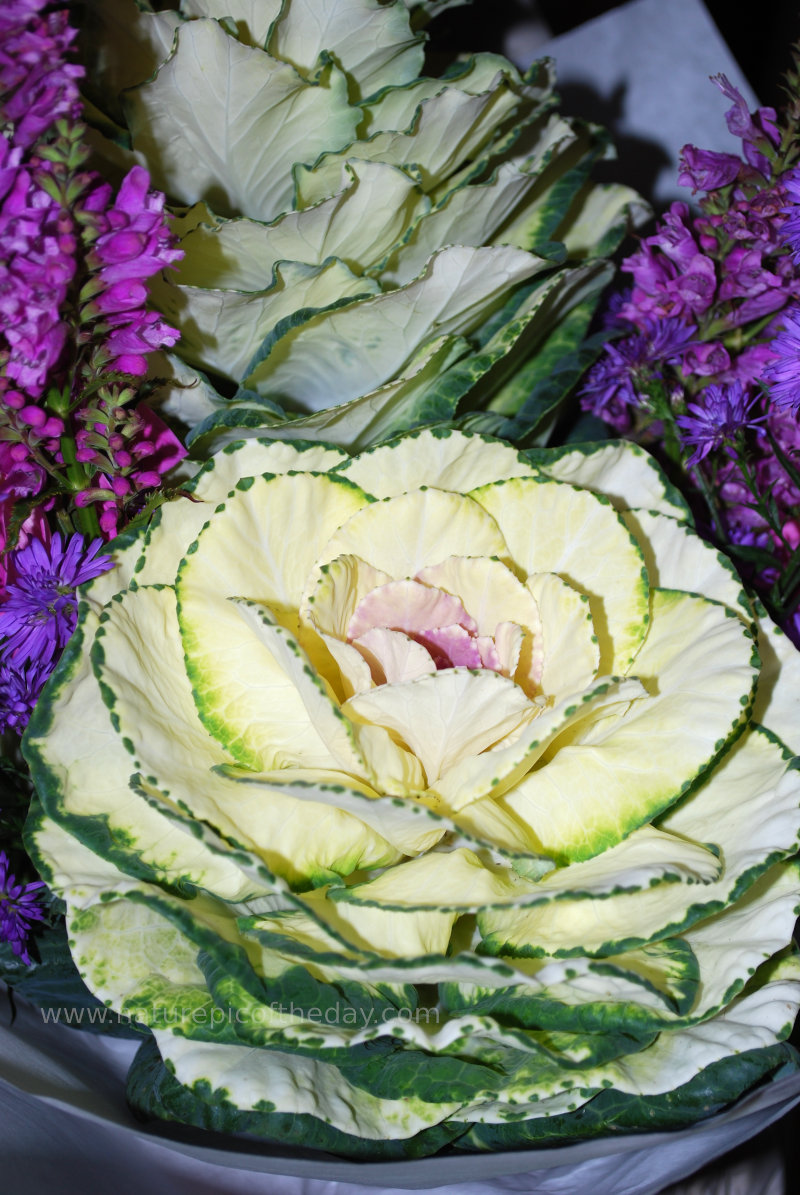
759,36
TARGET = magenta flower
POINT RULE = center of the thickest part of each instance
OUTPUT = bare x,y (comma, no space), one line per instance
706,358
675,237
157,449
745,274
748,366
757,129
705,170
137,242
9,166
136,335
134,242
133,458
36,269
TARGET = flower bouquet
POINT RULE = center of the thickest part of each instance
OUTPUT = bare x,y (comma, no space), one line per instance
405,774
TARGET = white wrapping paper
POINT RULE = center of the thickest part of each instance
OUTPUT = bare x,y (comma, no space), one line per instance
65,1127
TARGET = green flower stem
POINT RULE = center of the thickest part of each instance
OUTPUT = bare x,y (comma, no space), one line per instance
760,505
789,580
707,492
662,410
77,480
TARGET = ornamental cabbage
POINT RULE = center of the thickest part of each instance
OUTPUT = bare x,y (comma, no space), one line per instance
438,794
365,248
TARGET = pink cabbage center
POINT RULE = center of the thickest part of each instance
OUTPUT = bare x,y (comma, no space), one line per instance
430,617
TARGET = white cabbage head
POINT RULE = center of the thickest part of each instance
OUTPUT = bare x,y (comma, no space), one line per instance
441,793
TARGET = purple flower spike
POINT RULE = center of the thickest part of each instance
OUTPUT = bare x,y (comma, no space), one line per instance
724,411
37,85
134,243
705,170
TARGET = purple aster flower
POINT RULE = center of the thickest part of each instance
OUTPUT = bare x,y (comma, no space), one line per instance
40,610
790,229
20,686
725,411
782,375
612,385
612,317
18,909
705,170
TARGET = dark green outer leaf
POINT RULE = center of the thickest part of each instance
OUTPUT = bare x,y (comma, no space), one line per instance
53,983
610,1113
544,382
154,1093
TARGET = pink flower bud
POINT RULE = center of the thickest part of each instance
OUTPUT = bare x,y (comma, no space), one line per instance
791,533
131,363
33,416
148,479
108,522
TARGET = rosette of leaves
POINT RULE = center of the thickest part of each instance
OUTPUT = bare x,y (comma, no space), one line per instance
442,793
365,248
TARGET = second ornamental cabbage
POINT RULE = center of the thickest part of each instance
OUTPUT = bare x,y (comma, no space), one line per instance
366,247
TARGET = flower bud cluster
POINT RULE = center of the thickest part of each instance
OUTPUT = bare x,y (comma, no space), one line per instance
130,243
127,449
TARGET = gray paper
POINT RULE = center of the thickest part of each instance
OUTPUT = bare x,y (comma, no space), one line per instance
643,72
